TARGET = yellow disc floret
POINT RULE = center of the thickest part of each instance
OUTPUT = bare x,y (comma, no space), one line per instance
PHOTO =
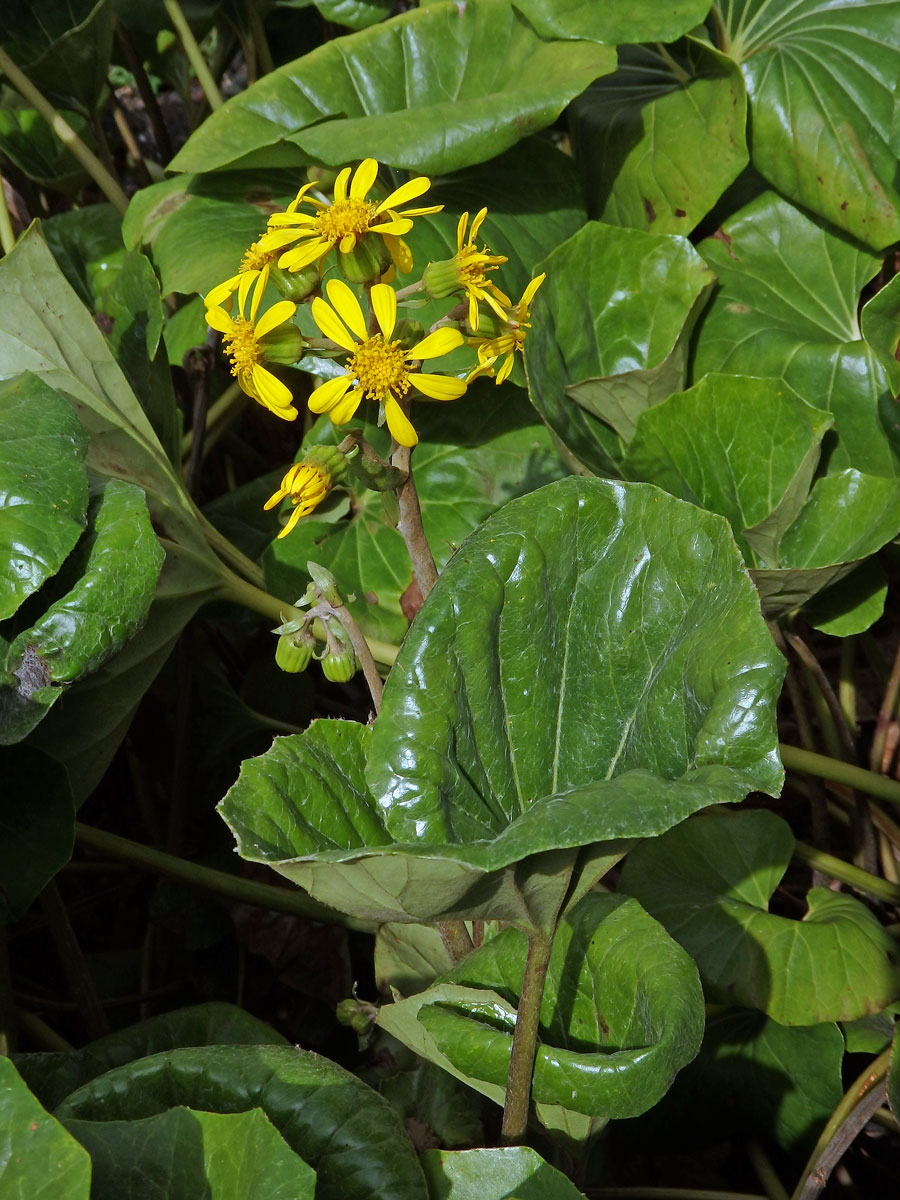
380,367
344,218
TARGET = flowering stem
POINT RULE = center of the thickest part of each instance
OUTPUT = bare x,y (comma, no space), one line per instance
836,868
524,1047
7,237
363,654
411,290
105,182
410,525
194,53
822,767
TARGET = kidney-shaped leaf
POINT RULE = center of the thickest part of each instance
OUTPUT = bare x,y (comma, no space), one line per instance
590,666
821,75
434,89
183,1154
337,1124
786,307
38,1159
709,882
43,486
494,1174
622,1012
614,21
609,336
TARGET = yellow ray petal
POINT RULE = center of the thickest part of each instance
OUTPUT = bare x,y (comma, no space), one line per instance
504,371
396,227
476,224
275,316
302,256
244,284
275,499
273,393
344,410
384,302
461,231
222,291
366,174
218,319
442,341
439,387
347,243
528,294
279,220
407,191
398,423
340,184
347,306
328,322
292,521
329,393
400,253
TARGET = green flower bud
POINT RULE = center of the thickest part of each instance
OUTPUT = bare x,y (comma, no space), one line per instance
441,279
340,665
326,584
283,345
359,1015
296,285
330,459
408,333
294,650
366,262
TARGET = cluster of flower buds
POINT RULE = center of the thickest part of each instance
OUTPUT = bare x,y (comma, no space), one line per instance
297,644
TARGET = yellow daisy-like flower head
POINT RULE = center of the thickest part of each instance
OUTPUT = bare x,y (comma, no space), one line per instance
255,265
244,339
350,217
508,340
307,484
378,368
466,272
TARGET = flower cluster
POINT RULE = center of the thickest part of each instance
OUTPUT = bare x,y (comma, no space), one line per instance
360,230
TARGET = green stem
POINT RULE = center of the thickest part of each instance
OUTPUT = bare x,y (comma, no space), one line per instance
363,655
837,771
410,525
41,1033
260,41
873,885
105,182
254,598
847,682
229,402
194,53
676,68
885,713
229,553
232,887
7,236
765,1172
456,939
524,1047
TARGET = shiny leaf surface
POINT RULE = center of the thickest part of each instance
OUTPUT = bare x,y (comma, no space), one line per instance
38,1159
709,882
502,1173
615,20
64,51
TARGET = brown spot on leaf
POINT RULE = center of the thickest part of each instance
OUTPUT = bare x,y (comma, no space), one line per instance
603,1026
649,210
420,1135
411,600
371,598
844,206
723,237
104,322
32,672
679,212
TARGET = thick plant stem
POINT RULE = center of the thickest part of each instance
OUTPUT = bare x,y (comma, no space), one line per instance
837,771
456,940
194,53
363,654
232,887
7,236
524,1047
885,713
410,525
836,868
105,182
41,1033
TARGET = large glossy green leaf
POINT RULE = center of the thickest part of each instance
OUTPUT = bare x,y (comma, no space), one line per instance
474,455
31,145
503,1173
64,48
709,882
183,1154
609,336
53,1076
87,245
38,1159
774,1082
614,20
43,486
37,827
821,75
545,699
622,1012
786,306
337,1124
434,89
659,141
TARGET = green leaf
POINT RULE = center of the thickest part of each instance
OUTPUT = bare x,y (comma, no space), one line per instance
87,244
709,882
53,1076
429,90
354,14
880,320
893,1078
37,828
622,1012
773,1082
351,1137
432,1097
31,145
113,577
504,1173
853,604
659,141
65,52
474,455
786,307
614,20
820,75
38,1160
608,343
543,700
409,957
43,486
182,1154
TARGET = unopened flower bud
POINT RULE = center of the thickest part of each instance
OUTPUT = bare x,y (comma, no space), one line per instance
283,345
441,279
340,665
366,262
294,650
296,285
408,333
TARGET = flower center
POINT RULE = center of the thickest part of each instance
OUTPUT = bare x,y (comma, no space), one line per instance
471,265
345,216
380,367
256,258
241,346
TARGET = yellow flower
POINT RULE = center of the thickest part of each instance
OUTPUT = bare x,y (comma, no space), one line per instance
244,340
256,264
508,340
307,484
471,265
379,369
347,219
